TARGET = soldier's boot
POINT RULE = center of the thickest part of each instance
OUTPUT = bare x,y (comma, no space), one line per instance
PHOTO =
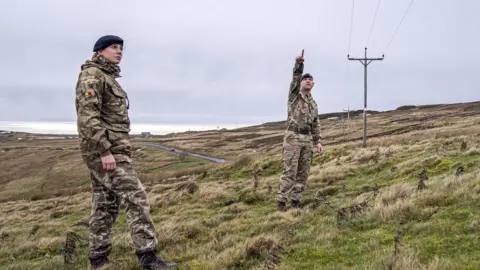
281,207
295,204
151,261
98,263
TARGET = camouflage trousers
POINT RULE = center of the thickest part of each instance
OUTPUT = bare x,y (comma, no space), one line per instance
110,189
297,160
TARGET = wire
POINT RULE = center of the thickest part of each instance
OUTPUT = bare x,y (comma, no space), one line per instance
349,43
373,23
398,27
351,26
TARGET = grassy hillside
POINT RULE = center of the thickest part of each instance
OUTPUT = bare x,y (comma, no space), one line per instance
410,200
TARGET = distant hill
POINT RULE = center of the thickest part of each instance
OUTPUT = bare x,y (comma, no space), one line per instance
467,106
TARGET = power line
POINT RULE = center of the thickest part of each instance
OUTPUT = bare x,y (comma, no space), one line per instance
373,22
398,27
351,25
349,43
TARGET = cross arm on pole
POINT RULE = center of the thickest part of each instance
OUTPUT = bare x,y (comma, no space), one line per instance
364,60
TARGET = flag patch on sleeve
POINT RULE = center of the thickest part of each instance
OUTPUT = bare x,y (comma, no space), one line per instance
88,93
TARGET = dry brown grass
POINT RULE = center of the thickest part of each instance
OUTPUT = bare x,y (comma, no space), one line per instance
330,174
407,259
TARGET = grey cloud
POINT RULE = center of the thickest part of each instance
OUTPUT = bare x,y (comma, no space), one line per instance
227,62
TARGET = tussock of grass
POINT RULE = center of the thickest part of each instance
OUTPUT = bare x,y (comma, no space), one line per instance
210,192
329,172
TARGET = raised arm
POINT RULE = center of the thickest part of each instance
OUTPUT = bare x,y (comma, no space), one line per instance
89,105
297,75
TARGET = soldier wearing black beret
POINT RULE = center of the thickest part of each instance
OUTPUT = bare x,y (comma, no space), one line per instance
103,125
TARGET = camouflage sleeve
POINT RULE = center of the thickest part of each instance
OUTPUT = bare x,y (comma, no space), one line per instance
295,83
316,131
89,105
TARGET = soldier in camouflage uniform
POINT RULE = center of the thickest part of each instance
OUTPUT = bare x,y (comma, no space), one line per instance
103,126
301,137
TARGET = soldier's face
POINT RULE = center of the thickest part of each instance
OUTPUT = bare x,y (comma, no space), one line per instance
307,84
113,53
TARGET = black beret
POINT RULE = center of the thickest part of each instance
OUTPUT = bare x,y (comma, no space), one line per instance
106,41
306,75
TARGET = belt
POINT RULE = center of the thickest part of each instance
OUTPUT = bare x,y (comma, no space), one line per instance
305,131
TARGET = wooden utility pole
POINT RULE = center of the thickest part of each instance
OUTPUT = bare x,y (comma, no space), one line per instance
346,128
365,61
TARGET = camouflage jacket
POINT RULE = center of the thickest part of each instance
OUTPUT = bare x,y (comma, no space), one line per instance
302,108
102,108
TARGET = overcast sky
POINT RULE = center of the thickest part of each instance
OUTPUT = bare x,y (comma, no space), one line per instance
217,61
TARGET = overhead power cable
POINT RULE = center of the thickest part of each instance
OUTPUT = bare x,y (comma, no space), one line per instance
398,27
373,23
351,25
349,43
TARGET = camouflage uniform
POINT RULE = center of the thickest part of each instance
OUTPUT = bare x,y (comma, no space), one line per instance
302,134
104,126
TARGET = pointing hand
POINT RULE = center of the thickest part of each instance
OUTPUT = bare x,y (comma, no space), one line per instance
300,59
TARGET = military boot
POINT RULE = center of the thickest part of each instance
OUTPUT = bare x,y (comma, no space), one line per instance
97,263
295,204
281,207
151,261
